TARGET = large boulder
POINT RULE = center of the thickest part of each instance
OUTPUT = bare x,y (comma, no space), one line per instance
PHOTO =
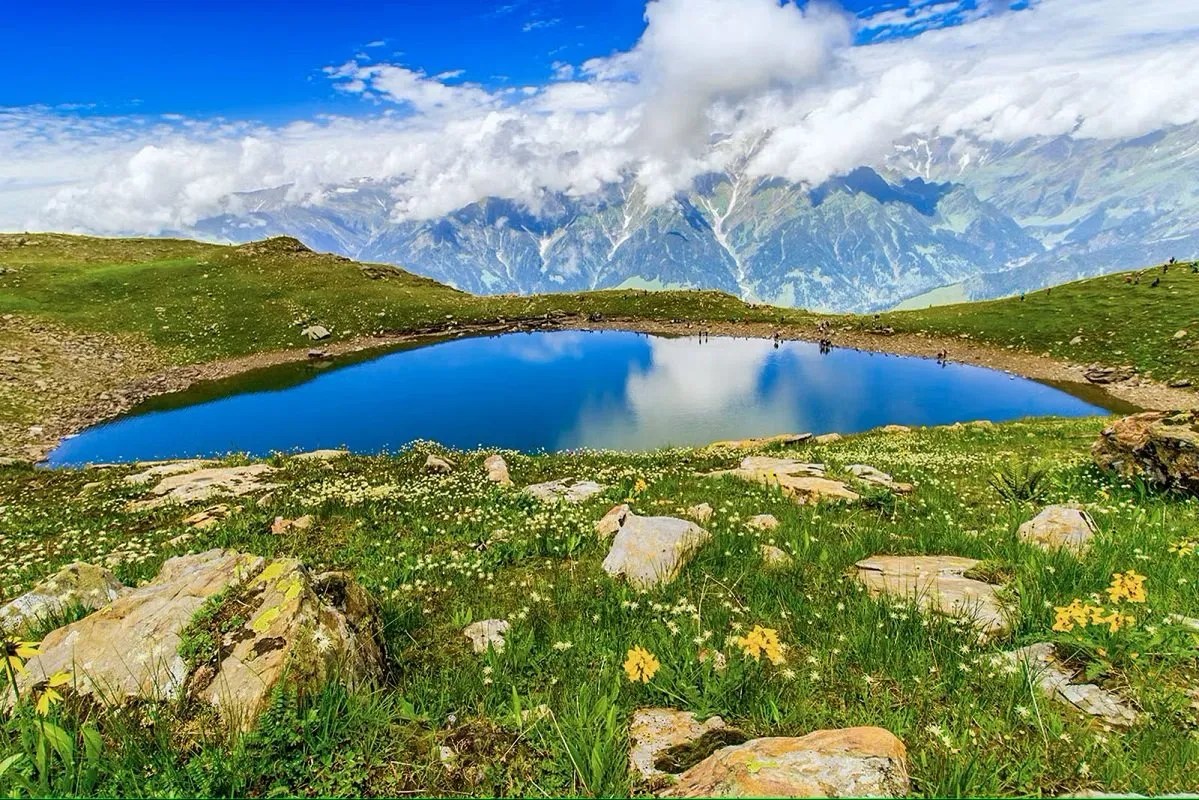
271,621
204,484
655,731
849,762
76,585
939,584
1159,447
650,551
1059,527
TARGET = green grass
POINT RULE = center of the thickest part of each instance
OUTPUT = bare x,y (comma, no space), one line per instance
441,551
1118,322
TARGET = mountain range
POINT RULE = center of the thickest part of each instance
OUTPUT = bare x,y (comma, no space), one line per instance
935,220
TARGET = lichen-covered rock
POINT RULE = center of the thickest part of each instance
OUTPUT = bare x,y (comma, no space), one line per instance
849,762
653,731
130,648
1061,683
1058,527
77,584
554,491
937,583
650,551
486,633
1159,447
497,470
275,622
204,484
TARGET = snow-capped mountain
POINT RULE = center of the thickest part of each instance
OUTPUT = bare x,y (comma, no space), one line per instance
987,219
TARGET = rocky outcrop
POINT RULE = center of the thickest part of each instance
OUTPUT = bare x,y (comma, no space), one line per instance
554,491
939,584
1059,527
497,470
849,762
78,585
158,470
204,484
1159,447
1061,683
438,466
273,622
805,483
486,633
650,551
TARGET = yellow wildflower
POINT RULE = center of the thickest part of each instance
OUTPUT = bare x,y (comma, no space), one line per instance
1127,586
50,694
17,653
1075,614
640,665
762,641
640,486
1183,547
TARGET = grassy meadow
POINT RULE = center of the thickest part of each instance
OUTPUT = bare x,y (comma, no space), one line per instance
549,715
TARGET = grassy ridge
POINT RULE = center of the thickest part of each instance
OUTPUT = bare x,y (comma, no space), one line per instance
550,714
1117,319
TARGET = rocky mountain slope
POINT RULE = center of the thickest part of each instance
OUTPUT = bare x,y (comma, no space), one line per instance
994,219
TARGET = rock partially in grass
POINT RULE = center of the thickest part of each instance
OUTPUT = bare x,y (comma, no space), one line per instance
937,583
497,470
610,523
205,484
760,442
895,429
486,633
654,731
700,513
438,465
650,551
283,525
162,470
554,491
827,438
775,557
321,455
803,482
76,585
208,517
1159,447
316,332
762,522
1061,683
848,762
869,474
1059,527
1098,373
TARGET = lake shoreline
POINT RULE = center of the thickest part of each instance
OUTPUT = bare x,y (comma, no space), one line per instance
1140,392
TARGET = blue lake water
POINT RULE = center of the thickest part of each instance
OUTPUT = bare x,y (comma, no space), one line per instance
565,390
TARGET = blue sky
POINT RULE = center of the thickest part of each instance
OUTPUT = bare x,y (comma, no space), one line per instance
264,59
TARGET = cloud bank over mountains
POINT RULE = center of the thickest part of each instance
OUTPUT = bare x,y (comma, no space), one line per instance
779,90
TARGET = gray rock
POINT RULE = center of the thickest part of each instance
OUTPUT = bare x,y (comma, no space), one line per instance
650,551
653,731
937,583
762,522
316,332
204,484
438,465
775,557
1061,682
486,633
554,491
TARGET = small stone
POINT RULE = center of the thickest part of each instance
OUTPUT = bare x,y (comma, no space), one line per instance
762,522
282,525
208,517
316,332
486,633
1180,335
438,466
321,455
1059,527
1077,340
895,429
871,475
700,513
828,438
554,491
497,470
775,557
